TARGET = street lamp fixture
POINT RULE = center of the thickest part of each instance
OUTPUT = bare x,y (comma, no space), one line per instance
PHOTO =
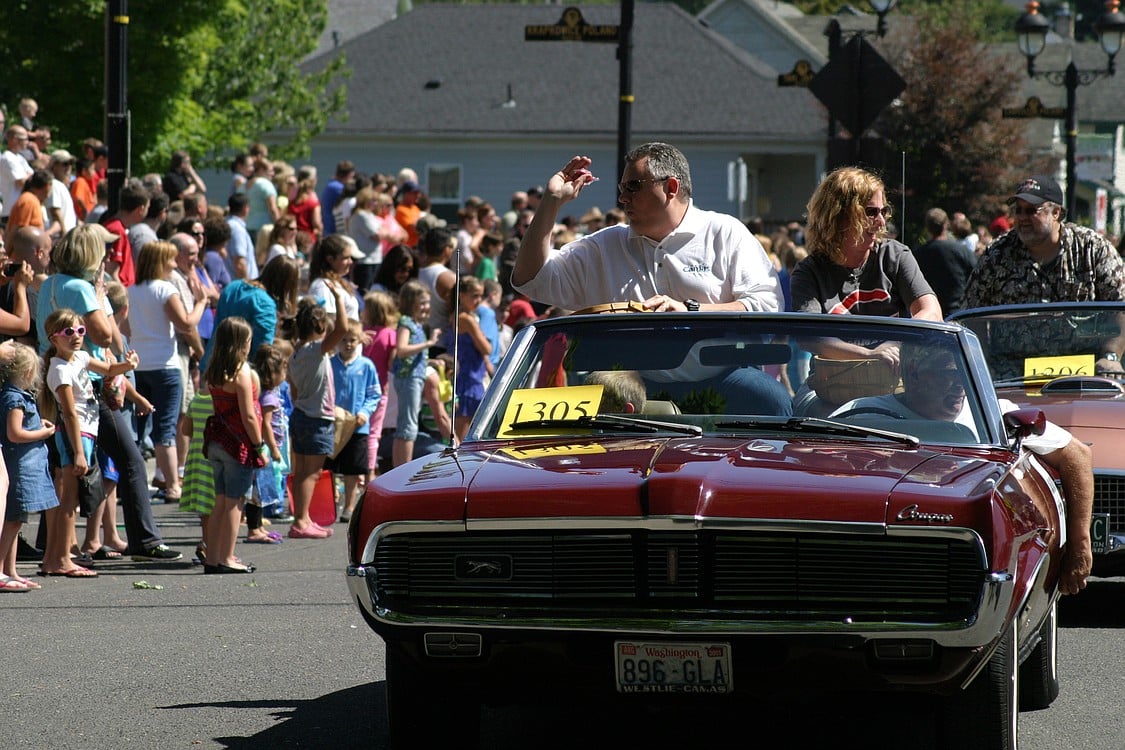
882,8
1031,33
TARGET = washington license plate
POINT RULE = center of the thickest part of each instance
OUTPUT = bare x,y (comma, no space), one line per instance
654,667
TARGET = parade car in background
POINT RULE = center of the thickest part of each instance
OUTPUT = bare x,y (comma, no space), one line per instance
622,519
1043,356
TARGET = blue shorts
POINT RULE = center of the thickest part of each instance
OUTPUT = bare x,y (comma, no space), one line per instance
311,436
109,469
231,478
409,393
66,457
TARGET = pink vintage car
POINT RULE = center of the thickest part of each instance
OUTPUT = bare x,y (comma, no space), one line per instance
1059,357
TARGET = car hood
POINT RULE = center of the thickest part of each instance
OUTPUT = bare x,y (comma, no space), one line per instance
700,477
1093,418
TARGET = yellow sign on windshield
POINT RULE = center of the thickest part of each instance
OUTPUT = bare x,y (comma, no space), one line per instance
540,404
1048,368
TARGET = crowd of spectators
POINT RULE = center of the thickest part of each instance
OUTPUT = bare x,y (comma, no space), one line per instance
356,303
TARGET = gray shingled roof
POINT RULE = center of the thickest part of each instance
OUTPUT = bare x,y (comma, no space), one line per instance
688,80
350,18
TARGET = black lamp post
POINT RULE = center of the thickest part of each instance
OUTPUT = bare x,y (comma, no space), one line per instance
882,8
1031,31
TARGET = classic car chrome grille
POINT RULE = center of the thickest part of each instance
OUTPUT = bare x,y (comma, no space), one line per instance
755,573
1109,497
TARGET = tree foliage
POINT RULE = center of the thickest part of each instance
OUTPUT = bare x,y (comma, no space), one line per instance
987,20
960,154
209,76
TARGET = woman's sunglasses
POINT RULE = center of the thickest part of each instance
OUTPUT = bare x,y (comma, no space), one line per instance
70,331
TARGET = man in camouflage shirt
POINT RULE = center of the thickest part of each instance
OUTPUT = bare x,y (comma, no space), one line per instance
1044,260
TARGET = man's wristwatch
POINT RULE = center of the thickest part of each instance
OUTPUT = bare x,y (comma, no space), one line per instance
1111,356
692,305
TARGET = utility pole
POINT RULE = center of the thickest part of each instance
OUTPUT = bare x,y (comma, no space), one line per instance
625,83
116,98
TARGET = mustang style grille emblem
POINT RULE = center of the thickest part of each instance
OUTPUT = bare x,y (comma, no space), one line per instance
490,567
911,513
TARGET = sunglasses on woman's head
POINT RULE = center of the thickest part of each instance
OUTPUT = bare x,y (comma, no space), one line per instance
70,331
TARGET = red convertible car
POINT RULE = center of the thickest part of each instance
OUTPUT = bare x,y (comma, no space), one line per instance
670,507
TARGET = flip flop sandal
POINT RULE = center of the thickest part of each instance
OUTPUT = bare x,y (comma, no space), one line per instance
72,573
13,586
107,553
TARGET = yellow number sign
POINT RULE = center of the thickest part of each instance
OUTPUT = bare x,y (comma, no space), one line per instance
535,404
547,451
1047,368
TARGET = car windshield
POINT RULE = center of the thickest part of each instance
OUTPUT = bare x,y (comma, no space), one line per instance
1035,343
732,374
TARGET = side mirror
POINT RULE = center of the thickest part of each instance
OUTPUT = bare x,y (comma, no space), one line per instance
1023,423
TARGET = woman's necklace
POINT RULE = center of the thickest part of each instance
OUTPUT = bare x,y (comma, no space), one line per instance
855,271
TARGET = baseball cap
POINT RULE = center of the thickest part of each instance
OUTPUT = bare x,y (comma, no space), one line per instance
103,234
353,251
1039,188
409,186
62,156
428,221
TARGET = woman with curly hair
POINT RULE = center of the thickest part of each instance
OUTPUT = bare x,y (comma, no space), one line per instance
852,267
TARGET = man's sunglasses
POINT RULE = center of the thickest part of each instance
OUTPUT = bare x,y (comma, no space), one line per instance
70,331
873,212
633,186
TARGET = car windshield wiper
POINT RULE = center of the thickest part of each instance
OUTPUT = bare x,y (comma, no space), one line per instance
611,422
816,424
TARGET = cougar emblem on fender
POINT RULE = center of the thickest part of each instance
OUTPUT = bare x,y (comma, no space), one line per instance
911,513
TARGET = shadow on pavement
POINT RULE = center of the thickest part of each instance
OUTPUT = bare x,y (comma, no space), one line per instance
1100,605
355,718
350,718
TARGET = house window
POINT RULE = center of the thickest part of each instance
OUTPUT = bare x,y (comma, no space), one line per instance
444,183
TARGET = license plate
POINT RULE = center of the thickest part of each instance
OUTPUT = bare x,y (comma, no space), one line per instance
1099,533
648,667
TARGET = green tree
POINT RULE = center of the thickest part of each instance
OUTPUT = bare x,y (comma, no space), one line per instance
209,76
960,153
987,20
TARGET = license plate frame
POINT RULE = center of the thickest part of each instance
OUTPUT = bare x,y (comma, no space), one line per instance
669,667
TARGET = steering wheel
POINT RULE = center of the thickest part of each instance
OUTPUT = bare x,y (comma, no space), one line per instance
867,410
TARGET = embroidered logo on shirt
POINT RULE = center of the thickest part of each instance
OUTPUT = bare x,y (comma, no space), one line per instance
700,268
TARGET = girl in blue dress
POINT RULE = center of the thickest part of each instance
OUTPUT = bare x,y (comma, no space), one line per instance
30,489
473,348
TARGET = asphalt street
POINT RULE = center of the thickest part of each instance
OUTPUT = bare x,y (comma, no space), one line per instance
282,659
278,658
